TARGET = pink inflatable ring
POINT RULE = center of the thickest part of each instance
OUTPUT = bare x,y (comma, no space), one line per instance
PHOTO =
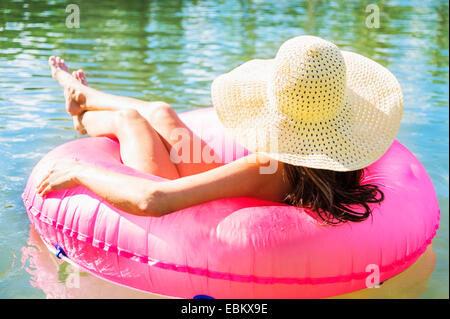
236,247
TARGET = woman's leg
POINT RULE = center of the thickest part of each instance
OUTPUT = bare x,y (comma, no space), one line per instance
172,131
159,115
90,99
140,145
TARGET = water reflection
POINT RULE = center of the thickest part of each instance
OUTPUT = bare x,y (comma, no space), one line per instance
59,279
410,284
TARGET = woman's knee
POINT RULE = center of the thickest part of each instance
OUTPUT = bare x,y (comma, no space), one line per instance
127,116
160,112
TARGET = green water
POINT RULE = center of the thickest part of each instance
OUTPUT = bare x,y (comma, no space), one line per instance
172,50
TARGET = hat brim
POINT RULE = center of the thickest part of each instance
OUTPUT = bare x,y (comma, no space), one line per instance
355,138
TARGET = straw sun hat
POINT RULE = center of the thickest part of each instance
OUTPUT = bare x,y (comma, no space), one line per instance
312,105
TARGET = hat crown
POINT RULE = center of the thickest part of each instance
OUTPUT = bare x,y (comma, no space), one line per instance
309,80
312,105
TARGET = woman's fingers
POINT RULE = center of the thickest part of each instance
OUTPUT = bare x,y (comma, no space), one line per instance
45,182
46,190
51,184
45,178
43,186
59,176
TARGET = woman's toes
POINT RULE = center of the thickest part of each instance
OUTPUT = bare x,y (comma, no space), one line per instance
62,65
82,77
52,60
57,65
52,64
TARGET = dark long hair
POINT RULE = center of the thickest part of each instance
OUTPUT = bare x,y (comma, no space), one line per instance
330,193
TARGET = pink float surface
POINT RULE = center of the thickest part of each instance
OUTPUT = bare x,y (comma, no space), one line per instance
236,247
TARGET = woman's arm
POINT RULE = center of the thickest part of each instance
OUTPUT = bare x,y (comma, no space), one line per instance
125,192
241,178
139,196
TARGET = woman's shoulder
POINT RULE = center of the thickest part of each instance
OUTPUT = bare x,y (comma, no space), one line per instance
265,174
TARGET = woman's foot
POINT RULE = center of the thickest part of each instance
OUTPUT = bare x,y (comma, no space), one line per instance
73,87
77,119
80,76
72,93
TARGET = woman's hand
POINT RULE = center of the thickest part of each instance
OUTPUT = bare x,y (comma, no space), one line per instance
61,175
131,194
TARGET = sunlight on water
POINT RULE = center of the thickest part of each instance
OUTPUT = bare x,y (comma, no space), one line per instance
172,50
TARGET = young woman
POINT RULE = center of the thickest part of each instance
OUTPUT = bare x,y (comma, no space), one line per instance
332,113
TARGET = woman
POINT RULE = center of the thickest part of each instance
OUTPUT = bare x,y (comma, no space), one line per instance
319,114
